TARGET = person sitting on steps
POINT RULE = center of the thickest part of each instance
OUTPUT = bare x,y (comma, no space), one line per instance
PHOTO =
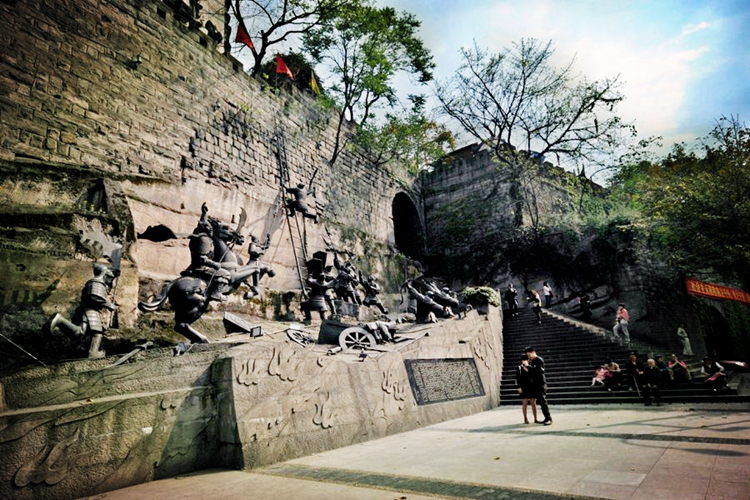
614,377
634,369
678,370
651,378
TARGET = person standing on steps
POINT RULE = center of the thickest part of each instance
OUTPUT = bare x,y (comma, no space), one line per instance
536,306
539,380
510,298
547,295
621,322
525,384
685,340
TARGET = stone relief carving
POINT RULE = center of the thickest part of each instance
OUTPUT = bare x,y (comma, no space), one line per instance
16,427
269,418
50,465
90,386
250,372
483,349
182,445
391,385
324,416
284,365
171,402
392,401
86,413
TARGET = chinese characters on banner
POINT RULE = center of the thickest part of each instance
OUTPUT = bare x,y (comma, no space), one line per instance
720,292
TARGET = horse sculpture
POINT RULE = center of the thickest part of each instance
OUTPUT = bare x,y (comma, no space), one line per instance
190,294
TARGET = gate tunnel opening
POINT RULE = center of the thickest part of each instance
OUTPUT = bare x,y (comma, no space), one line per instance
409,233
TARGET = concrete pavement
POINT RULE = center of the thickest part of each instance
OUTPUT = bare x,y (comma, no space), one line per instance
618,451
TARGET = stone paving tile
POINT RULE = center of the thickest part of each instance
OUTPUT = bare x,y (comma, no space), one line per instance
602,490
666,494
619,453
239,485
723,489
614,478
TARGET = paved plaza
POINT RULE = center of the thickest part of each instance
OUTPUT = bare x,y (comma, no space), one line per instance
683,452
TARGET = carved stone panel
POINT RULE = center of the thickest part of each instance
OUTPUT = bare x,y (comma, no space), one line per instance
440,380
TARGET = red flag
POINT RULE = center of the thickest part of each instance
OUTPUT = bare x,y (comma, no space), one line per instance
242,36
282,68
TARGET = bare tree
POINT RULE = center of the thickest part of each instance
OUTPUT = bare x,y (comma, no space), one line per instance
271,22
523,107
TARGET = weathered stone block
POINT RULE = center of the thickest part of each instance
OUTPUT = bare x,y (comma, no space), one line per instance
68,138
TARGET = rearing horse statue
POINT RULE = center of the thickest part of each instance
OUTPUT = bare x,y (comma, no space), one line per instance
215,272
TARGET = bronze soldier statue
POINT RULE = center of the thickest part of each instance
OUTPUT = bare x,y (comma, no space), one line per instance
299,204
427,309
372,289
346,281
319,283
203,263
88,317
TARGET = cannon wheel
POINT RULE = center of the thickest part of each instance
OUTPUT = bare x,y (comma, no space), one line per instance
355,337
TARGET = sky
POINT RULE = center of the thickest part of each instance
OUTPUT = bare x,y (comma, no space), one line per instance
684,63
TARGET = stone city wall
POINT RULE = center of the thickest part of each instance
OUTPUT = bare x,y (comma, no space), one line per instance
116,99
83,428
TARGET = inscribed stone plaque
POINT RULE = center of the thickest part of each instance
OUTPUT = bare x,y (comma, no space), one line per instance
439,380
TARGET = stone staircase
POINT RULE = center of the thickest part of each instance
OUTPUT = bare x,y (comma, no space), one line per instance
572,350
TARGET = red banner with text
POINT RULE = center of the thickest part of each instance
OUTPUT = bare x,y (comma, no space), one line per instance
713,291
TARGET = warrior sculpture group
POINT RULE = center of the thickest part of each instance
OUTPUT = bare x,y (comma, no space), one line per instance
216,270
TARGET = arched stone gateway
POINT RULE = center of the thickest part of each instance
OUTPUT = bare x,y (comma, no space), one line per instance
408,228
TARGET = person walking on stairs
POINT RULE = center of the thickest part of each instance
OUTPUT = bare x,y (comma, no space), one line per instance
536,306
539,381
510,298
525,384
621,323
547,295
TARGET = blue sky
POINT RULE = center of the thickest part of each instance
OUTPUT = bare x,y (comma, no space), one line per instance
684,63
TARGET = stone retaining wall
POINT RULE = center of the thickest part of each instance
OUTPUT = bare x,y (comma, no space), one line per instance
86,427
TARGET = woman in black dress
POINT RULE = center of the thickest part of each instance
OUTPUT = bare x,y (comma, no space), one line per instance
526,387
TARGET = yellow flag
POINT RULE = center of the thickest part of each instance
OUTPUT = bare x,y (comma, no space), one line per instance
314,83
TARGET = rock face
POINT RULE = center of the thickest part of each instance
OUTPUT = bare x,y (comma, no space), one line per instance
469,212
120,115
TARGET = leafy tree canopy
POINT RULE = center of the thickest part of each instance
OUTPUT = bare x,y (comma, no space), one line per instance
698,204
299,66
364,47
409,138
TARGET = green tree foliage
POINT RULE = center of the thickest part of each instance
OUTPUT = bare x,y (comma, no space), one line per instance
699,205
274,22
409,138
481,296
364,47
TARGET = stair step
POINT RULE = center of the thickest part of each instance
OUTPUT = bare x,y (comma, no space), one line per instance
571,354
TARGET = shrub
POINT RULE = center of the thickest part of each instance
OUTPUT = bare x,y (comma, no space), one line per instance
481,295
